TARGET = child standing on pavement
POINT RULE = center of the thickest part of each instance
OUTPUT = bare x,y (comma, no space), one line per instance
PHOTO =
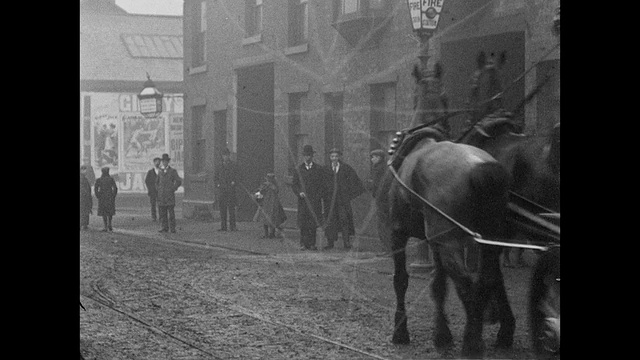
270,211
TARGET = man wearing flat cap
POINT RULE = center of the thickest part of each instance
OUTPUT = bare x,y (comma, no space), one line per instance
226,180
308,185
167,182
344,185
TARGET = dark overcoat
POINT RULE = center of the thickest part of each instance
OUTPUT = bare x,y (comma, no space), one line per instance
86,199
167,183
342,188
377,172
150,181
270,211
226,179
312,183
106,191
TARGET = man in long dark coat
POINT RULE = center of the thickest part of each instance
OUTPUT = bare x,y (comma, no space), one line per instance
150,181
309,186
226,180
167,183
106,191
86,199
344,186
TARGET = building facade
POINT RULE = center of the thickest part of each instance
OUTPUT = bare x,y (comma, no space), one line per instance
266,77
117,51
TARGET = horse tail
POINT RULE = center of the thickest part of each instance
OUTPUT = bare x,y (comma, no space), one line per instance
490,191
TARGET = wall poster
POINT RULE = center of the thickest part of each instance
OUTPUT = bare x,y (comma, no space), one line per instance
127,142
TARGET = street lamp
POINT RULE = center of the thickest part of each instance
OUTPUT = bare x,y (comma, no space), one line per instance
150,99
425,15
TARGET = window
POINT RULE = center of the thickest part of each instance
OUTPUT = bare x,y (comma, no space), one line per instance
383,115
358,20
253,17
199,52
333,121
199,142
350,6
296,137
298,22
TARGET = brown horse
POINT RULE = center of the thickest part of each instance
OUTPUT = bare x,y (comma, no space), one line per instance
534,165
470,187
533,161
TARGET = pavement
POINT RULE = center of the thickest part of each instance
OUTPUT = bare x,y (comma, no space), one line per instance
133,217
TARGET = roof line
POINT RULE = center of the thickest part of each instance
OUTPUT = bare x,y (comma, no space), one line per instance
134,14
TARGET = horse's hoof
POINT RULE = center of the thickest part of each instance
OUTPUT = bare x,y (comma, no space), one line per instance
400,338
443,341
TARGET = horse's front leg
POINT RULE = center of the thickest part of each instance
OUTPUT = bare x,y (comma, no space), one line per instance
400,285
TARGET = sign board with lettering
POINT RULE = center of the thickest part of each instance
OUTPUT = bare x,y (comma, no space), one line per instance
425,14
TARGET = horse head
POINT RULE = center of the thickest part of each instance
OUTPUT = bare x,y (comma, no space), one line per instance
486,85
430,100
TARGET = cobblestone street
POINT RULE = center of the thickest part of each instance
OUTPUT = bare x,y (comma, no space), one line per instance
203,294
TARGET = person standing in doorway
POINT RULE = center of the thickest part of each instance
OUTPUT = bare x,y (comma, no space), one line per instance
344,186
86,199
167,182
150,181
226,179
308,185
378,169
106,191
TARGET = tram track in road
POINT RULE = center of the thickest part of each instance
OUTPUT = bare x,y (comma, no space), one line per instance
102,297
200,243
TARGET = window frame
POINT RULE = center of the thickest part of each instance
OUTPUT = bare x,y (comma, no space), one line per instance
199,46
254,12
298,33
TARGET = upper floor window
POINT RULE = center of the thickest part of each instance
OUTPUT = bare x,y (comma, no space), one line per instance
359,19
298,22
253,17
199,49
350,6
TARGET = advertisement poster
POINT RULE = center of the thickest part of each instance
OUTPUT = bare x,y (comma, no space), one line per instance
143,140
127,142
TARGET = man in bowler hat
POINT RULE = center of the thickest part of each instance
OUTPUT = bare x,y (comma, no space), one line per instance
226,180
150,181
309,186
167,182
344,186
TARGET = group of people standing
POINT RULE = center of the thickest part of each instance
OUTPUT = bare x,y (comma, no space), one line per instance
105,189
162,182
325,195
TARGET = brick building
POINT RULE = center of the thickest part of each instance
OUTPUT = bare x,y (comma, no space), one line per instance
117,50
265,77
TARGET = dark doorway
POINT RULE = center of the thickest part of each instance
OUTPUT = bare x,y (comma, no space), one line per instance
333,123
255,133
459,62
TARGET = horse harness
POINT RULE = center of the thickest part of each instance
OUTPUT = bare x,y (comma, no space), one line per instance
404,142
